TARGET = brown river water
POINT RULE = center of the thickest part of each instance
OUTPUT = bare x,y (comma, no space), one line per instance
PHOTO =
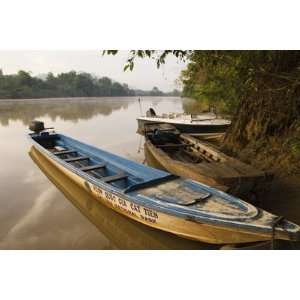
41,210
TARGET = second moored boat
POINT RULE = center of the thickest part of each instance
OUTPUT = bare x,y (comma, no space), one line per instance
181,154
186,123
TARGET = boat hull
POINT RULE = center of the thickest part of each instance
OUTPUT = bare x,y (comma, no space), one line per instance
182,227
122,232
223,172
162,162
187,128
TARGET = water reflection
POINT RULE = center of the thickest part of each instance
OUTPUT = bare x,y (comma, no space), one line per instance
76,109
45,220
122,232
66,109
33,213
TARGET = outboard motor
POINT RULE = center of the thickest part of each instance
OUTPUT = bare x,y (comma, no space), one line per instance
151,112
36,126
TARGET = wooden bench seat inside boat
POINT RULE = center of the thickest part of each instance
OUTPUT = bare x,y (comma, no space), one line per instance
93,167
173,145
112,178
77,158
64,152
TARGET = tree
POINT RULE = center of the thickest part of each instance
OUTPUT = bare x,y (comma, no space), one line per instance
158,56
156,92
260,88
105,84
70,84
24,78
116,89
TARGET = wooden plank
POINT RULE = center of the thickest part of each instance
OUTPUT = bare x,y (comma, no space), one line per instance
78,158
64,152
59,148
173,145
94,167
116,177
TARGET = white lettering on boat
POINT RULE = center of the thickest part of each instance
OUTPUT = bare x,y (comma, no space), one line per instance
130,208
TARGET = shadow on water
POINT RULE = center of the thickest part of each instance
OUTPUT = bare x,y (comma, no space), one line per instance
122,232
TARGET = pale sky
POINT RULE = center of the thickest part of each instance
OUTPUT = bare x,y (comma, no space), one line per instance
144,76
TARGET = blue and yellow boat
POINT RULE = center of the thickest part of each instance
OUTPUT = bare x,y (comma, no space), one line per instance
157,198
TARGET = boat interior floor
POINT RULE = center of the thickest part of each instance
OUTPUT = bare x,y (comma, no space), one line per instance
186,156
177,149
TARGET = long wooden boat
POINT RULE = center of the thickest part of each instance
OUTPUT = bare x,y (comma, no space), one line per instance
183,155
122,232
199,124
159,199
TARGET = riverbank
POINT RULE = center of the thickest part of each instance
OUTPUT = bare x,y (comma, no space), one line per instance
280,158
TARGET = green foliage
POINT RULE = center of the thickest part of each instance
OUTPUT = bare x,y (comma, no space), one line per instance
260,88
158,56
71,84
223,78
227,77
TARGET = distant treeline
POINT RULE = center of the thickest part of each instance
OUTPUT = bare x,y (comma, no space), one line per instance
72,84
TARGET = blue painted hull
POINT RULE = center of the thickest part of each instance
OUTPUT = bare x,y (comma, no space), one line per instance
161,200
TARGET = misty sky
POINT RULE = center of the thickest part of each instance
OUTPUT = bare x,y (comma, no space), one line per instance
144,76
